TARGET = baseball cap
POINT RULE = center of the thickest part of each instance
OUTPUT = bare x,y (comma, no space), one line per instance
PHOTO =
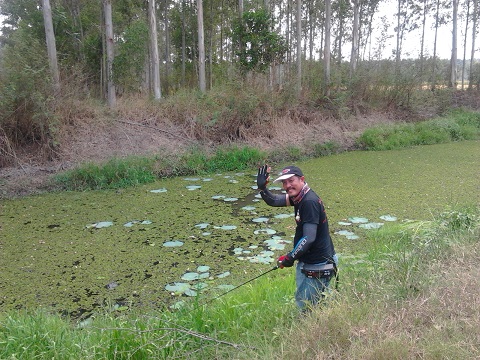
288,172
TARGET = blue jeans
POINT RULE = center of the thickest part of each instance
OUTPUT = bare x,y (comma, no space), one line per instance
310,291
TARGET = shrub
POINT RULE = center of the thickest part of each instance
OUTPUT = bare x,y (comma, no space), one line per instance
459,125
116,173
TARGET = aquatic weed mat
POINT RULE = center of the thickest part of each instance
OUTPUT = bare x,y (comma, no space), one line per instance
163,243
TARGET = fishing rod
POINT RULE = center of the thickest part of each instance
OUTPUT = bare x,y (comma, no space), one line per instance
246,282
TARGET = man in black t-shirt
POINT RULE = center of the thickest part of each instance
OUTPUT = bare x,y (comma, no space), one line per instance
313,247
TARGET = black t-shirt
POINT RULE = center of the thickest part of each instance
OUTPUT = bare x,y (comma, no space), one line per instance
311,210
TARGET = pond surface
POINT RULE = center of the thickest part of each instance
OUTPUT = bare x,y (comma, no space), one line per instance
154,245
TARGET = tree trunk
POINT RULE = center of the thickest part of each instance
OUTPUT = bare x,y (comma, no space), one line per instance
107,9
183,43
474,33
453,60
168,59
155,59
51,45
299,47
422,41
326,49
434,81
201,48
397,51
467,18
354,53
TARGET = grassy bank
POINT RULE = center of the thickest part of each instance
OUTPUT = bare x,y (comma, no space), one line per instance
403,297
118,173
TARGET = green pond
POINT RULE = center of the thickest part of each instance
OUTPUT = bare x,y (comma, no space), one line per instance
155,245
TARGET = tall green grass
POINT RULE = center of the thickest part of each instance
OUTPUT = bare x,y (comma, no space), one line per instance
455,126
115,173
120,173
260,320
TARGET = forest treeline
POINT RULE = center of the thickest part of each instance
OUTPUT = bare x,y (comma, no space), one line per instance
56,54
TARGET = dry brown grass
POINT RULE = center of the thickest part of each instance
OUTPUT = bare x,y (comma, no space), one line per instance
442,322
87,131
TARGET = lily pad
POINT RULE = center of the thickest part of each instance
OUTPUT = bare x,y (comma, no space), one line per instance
267,231
218,197
226,227
261,259
344,223
190,292
203,268
200,286
266,253
193,187
190,276
358,220
344,233
260,220
100,225
158,191
273,245
248,208
372,225
177,287
283,216
191,179
352,237
173,243
133,222
202,225
237,251
223,275
230,199
388,218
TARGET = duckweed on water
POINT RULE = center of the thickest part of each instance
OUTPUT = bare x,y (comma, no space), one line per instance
51,258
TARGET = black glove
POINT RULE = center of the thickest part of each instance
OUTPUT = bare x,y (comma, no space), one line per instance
285,261
262,177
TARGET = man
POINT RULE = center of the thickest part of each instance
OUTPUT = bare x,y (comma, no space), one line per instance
313,247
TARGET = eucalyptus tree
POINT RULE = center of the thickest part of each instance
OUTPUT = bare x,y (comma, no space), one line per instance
355,34
341,13
427,6
474,34
183,33
408,14
368,10
51,45
299,46
201,48
326,49
155,62
440,18
109,43
465,34
453,59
